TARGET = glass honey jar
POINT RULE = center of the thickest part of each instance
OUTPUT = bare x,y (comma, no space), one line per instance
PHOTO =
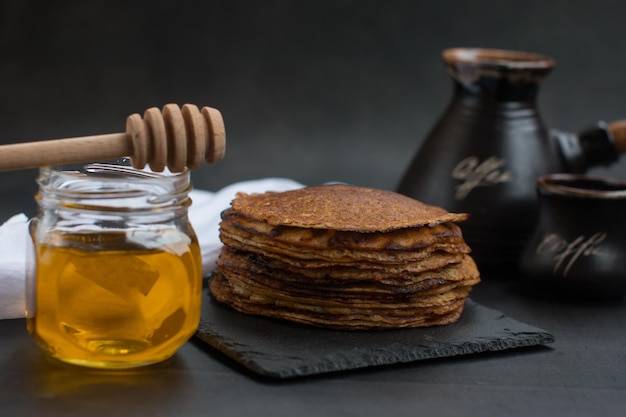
116,277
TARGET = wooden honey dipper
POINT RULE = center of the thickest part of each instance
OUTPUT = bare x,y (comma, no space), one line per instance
175,137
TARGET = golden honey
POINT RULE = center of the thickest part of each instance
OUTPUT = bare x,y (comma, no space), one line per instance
106,301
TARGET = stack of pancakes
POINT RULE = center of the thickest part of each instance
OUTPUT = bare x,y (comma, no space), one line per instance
343,257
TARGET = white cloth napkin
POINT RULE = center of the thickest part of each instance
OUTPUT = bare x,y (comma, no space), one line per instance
204,215
206,208
13,234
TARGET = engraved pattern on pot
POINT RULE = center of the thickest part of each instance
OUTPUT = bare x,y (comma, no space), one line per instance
566,253
475,173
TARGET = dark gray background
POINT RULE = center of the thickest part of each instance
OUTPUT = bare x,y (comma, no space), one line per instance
325,90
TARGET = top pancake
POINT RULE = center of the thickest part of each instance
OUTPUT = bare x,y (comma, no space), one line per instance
341,207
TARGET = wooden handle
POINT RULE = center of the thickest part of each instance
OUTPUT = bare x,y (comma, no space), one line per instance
63,151
618,132
174,137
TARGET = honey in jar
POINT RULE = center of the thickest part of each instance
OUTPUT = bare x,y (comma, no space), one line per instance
117,282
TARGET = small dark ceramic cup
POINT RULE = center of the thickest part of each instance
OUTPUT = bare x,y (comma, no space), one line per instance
578,248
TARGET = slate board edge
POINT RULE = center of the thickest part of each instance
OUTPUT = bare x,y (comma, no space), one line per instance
324,367
532,338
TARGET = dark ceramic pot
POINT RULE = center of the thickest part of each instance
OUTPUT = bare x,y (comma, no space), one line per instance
578,247
485,153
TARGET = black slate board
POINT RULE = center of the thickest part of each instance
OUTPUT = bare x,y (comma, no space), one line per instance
278,349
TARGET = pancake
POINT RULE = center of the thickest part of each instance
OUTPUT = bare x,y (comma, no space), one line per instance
343,257
338,317
234,223
336,255
396,281
342,207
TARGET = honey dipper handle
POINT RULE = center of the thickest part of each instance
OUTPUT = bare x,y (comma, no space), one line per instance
63,151
175,137
618,131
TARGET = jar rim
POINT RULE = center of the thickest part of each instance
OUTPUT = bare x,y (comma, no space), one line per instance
582,186
471,67
112,186
501,58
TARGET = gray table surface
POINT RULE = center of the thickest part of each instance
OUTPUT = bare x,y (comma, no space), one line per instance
582,374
